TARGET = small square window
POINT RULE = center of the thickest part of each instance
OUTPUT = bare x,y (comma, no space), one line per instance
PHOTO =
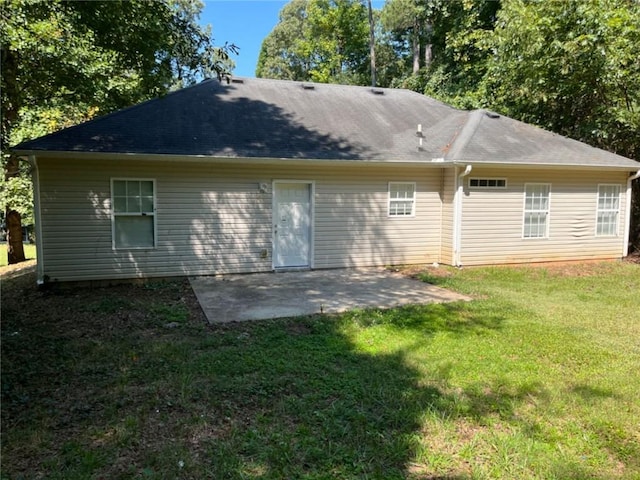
402,199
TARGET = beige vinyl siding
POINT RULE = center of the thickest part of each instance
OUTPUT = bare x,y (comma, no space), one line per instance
353,226
492,219
199,217
448,189
213,218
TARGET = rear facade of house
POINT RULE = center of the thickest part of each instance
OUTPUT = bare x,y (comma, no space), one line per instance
418,196
128,219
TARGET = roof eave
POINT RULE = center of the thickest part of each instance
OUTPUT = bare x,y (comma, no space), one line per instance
435,162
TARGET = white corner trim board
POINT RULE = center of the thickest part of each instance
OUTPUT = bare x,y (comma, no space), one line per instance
457,215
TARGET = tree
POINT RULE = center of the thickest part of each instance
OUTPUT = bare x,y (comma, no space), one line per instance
410,20
571,67
444,45
65,61
462,33
281,55
318,40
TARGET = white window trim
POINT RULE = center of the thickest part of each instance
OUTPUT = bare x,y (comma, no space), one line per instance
488,188
113,214
617,229
524,211
389,200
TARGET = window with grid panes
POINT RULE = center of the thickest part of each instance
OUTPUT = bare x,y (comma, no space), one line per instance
536,210
402,199
608,210
488,183
133,205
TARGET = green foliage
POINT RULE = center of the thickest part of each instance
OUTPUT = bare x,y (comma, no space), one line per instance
318,40
74,59
457,35
18,193
571,67
411,24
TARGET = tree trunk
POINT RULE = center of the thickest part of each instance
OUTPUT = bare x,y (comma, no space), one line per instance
372,46
15,250
416,51
428,53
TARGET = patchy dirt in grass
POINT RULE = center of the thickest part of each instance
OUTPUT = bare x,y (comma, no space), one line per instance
568,269
74,365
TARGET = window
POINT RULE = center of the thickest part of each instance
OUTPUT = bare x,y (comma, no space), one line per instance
608,209
133,218
402,199
536,210
488,183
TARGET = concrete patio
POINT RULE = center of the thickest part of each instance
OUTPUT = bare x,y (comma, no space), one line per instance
231,298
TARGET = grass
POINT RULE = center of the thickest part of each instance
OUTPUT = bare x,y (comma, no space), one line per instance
535,379
29,253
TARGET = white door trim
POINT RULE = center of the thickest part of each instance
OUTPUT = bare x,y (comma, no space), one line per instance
312,222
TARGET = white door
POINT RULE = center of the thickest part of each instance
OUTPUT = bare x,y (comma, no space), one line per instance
292,225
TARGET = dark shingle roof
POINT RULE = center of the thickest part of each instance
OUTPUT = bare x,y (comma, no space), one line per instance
259,118
502,140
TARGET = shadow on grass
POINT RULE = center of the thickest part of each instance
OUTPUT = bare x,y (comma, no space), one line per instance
93,385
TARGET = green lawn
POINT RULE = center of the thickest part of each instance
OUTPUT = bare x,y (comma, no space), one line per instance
29,253
536,378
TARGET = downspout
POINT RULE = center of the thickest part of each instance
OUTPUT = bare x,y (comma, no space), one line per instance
457,215
37,218
456,155
627,213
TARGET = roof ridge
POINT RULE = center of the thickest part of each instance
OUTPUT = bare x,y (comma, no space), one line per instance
343,85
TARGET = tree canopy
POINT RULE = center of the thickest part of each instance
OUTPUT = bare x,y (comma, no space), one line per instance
571,67
65,61
318,40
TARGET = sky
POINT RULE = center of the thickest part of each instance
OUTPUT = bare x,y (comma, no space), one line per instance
245,23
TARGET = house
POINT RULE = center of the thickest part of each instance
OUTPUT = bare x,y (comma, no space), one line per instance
254,175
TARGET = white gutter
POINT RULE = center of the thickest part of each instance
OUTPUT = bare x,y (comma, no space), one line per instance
627,213
88,156
37,217
457,215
